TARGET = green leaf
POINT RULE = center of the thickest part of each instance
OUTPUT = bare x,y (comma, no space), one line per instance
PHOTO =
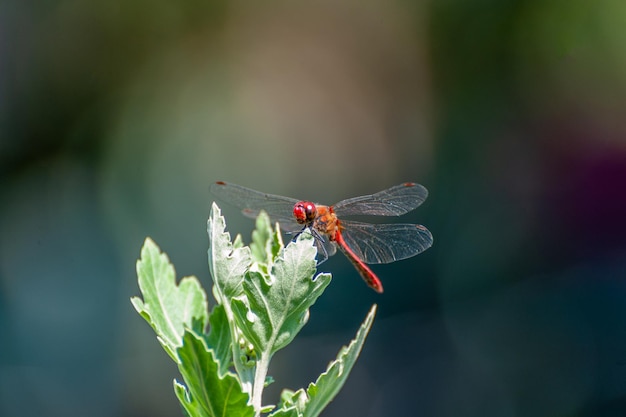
286,412
208,392
219,339
227,262
266,243
276,307
238,242
287,406
168,308
319,394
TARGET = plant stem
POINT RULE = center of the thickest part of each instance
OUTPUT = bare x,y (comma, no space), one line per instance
260,374
245,372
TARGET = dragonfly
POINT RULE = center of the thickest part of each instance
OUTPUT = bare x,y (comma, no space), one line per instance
362,243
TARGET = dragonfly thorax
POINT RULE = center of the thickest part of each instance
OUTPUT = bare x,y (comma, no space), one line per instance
325,222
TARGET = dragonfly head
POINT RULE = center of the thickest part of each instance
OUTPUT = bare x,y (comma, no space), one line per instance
304,212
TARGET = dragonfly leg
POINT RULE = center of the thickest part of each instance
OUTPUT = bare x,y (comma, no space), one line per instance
319,242
296,234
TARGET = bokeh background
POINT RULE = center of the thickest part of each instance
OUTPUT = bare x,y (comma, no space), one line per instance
115,116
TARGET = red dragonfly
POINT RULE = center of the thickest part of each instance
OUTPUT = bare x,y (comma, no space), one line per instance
362,243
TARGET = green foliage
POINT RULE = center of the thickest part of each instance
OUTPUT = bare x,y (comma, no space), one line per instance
276,305
167,307
209,392
263,293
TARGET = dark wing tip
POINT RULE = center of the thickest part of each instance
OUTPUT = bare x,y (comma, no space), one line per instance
216,188
414,184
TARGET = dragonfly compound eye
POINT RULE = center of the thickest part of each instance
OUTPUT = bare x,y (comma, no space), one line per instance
304,212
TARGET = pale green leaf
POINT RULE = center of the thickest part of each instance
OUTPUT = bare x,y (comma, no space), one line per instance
276,306
227,262
208,393
238,242
291,404
167,307
266,242
286,412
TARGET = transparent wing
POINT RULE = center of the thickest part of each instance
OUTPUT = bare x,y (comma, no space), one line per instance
384,243
393,201
251,202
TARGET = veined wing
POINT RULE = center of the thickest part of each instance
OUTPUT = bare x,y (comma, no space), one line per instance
251,202
393,201
384,243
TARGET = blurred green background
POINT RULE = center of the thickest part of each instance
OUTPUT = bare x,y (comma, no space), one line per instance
115,116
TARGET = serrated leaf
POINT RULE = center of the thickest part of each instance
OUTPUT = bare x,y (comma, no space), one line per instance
322,392
167,307
227,262
219,338
207,392
274,312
